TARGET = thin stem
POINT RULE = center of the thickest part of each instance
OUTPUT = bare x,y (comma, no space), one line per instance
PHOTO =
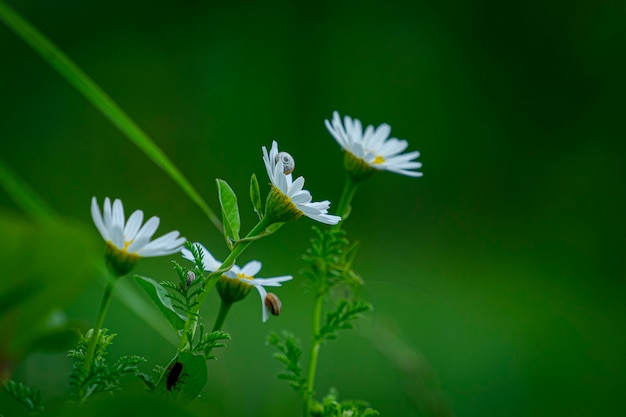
211,279
221,315
343,209
314,353
104,304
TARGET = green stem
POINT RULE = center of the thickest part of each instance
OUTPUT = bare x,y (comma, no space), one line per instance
343,209
92,92
313,354
221,315
211,280
93,341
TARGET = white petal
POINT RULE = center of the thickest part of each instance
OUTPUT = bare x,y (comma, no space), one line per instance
379,137
264,309
169,243
97,219
393,147
296,186
106,218
132,225
144,234
251,268
272,282
326,218
209,262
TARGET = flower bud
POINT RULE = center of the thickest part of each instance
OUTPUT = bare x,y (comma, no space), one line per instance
232,290
119,262
279,208
273,304
357,168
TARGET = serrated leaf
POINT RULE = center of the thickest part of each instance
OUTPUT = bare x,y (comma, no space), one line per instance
230,212
255,196
158,294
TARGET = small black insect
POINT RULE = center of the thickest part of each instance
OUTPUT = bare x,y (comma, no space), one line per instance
173,378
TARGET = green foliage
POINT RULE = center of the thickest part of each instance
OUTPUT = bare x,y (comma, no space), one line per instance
176,300
329,260
331,407
185,292
161,298
255,196
339,319
230,212
289,355
100,376
205,342
25,395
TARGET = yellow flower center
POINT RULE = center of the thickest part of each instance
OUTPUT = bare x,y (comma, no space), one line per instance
243,276
378,160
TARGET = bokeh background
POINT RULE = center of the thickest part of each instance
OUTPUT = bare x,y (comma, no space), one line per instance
497,278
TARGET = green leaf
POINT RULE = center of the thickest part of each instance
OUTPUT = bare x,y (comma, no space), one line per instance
230,212
255,196
158,294
191,381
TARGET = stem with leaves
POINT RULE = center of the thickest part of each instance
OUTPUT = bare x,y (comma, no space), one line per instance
104,304
343,210
211,279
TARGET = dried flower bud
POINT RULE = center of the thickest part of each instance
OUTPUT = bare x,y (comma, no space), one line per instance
289,164
273,304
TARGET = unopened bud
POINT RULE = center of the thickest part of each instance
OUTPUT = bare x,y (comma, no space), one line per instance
273,304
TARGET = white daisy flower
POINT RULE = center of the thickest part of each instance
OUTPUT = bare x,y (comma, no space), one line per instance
374,147
235,284
291,200
128,241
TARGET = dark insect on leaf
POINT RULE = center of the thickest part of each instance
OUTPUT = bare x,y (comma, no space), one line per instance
173,377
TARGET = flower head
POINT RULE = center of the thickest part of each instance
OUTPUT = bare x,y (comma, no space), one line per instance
128,241
287,199
373,149
235,284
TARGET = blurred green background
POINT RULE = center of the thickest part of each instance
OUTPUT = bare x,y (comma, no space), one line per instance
497,278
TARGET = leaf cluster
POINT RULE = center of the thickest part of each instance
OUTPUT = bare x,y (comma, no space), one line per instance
101,375
206,342
28,397
190,285
341,318
331,407
289,355
329,260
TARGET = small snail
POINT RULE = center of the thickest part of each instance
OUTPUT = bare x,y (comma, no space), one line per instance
191,277
288,162
273,304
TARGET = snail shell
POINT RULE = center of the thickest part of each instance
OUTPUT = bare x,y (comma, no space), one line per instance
272,302
191,277
288,162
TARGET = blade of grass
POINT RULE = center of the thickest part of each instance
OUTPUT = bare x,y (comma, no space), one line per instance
90,90
24,196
